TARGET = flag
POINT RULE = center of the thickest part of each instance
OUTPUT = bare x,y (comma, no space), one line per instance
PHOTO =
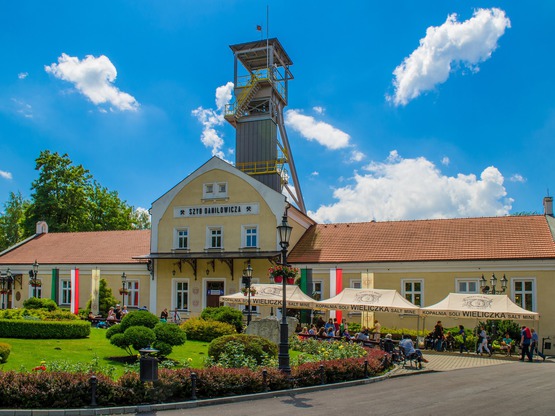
74,304
259,28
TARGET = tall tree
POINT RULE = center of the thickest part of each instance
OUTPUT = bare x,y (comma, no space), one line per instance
12,219
69,200
107,211
140,219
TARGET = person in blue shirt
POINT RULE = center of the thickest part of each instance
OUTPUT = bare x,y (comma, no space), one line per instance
408,347
535,343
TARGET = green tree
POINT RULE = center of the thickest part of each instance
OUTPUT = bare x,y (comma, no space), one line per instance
105,299
68,198
106,210
12,229
59,194
140,219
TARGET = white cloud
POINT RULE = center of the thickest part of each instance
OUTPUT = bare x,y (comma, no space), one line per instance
310,129
26,110
469,43
445,161
517,177
357,156
319,110
94,78
211,118
402,189
5,175
23,75
315,173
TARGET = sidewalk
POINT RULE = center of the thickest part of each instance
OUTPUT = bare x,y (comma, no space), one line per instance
447,361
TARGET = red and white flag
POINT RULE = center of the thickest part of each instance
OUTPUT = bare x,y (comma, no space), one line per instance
74,305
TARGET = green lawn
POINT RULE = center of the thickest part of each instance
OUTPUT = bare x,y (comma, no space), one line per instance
26,354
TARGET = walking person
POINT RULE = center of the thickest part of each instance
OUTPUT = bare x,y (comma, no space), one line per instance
484,342
535,343
462,333
525,341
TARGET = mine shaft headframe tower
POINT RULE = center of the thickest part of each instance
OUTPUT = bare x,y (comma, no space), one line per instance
261,92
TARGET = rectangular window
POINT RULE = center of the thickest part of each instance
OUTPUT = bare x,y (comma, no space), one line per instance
180,298
65,291
132,298
250,236
182,238
36,291
467,285
214,190
356,284
215,237
317,290
524,293
413,290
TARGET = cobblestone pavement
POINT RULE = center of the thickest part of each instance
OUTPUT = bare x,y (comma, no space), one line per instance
447,361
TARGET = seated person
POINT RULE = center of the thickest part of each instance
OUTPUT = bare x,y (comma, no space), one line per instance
346,334
176,318
92,316
408,347
111,314
363,335
313,330
449,342
164,315
322,333
506,344
331,332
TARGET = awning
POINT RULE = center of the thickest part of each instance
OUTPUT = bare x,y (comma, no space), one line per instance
463,305
272,295
369,300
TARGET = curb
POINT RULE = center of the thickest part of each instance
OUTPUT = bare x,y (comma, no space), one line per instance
188,404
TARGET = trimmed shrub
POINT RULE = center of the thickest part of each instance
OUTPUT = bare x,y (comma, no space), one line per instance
30,329
36,303
5,350
139,318
168,336
254,346
225,314
139,337
198,329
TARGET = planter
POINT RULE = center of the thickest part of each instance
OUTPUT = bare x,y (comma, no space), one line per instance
278,279
290,280
123,291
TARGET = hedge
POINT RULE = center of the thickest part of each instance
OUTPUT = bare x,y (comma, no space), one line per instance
28,329
5,350
198,329
55,390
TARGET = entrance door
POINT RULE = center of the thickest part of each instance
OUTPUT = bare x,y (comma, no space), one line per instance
214,289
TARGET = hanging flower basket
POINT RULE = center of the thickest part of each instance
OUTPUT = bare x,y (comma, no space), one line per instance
38,283
245,291
5,292
279,273
123,291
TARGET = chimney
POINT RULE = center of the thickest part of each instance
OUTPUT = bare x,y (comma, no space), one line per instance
548,205
42,227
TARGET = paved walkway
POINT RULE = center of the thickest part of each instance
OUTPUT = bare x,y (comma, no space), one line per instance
447,361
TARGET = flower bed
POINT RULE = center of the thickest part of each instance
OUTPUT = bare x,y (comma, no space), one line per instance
45,389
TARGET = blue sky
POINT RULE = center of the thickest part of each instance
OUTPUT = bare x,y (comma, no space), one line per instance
398,110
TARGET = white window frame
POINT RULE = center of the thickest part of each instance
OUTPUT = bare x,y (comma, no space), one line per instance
175,283
178,237
214,190
37,290
209,234
65,289
413,292
313,288
245,237
134,288
524,292
458,282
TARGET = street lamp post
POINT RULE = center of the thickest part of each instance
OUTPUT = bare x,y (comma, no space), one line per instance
491,290
283,356
33,273
123,289
247,279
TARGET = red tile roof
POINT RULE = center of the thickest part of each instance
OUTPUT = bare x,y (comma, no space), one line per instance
97,247
513,237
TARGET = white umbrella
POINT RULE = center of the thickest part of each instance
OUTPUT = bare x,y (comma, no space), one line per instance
272,295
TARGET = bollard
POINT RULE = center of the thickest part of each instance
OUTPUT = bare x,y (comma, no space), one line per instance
265,379
93,381
322,375
365,368
193,386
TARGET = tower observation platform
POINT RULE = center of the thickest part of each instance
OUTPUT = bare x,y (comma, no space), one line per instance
261,80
